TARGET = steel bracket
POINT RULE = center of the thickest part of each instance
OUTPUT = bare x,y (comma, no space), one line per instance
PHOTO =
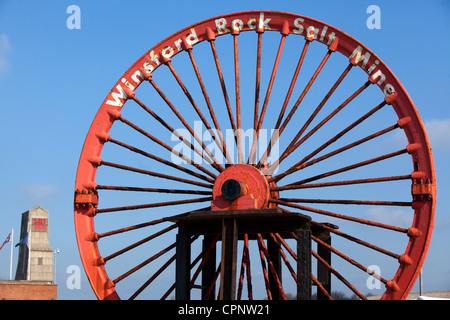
86,198
422,190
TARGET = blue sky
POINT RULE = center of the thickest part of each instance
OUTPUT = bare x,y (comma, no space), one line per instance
53,80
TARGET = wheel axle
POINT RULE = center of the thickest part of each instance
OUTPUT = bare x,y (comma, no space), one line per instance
233,189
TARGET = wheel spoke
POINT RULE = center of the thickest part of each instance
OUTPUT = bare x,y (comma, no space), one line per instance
144,263
204,256
158,190
340,216
289,250
298,165
153,205
235,33
339,276
340,183
154,174
283,256
293,81
349,146
268,92
295,144
321,288
352,167
173,151
264,250
305,91
265,274
249,274
352,261
212,285
297,104
168,127
356,240
126,229
222,83
136,244
301,165
169,291
163,161
245,266
273,137
194,105
153,277
214,163
280,241
357,202
313,115
331,269
210,108
157,117
251,158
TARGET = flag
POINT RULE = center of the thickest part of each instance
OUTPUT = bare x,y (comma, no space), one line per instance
23,241
8,239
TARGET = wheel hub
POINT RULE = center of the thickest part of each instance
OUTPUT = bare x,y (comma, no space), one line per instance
240,187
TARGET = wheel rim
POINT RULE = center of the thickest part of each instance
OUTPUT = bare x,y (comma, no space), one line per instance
89,205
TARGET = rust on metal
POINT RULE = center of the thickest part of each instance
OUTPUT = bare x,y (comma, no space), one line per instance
86,198
422,190
252,184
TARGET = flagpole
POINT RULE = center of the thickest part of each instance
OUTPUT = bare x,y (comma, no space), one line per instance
10,261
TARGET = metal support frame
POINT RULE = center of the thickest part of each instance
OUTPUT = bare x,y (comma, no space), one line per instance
182,265
232,225
304,264
209,269
275,257
323,273
229,256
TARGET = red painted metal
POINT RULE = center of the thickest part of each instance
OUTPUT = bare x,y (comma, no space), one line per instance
257,189
261,190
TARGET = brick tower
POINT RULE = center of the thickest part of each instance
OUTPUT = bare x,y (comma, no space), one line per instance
35,261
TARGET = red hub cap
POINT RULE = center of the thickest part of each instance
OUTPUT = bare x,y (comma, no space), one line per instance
240,187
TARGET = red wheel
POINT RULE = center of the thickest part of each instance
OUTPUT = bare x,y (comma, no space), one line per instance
348,146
